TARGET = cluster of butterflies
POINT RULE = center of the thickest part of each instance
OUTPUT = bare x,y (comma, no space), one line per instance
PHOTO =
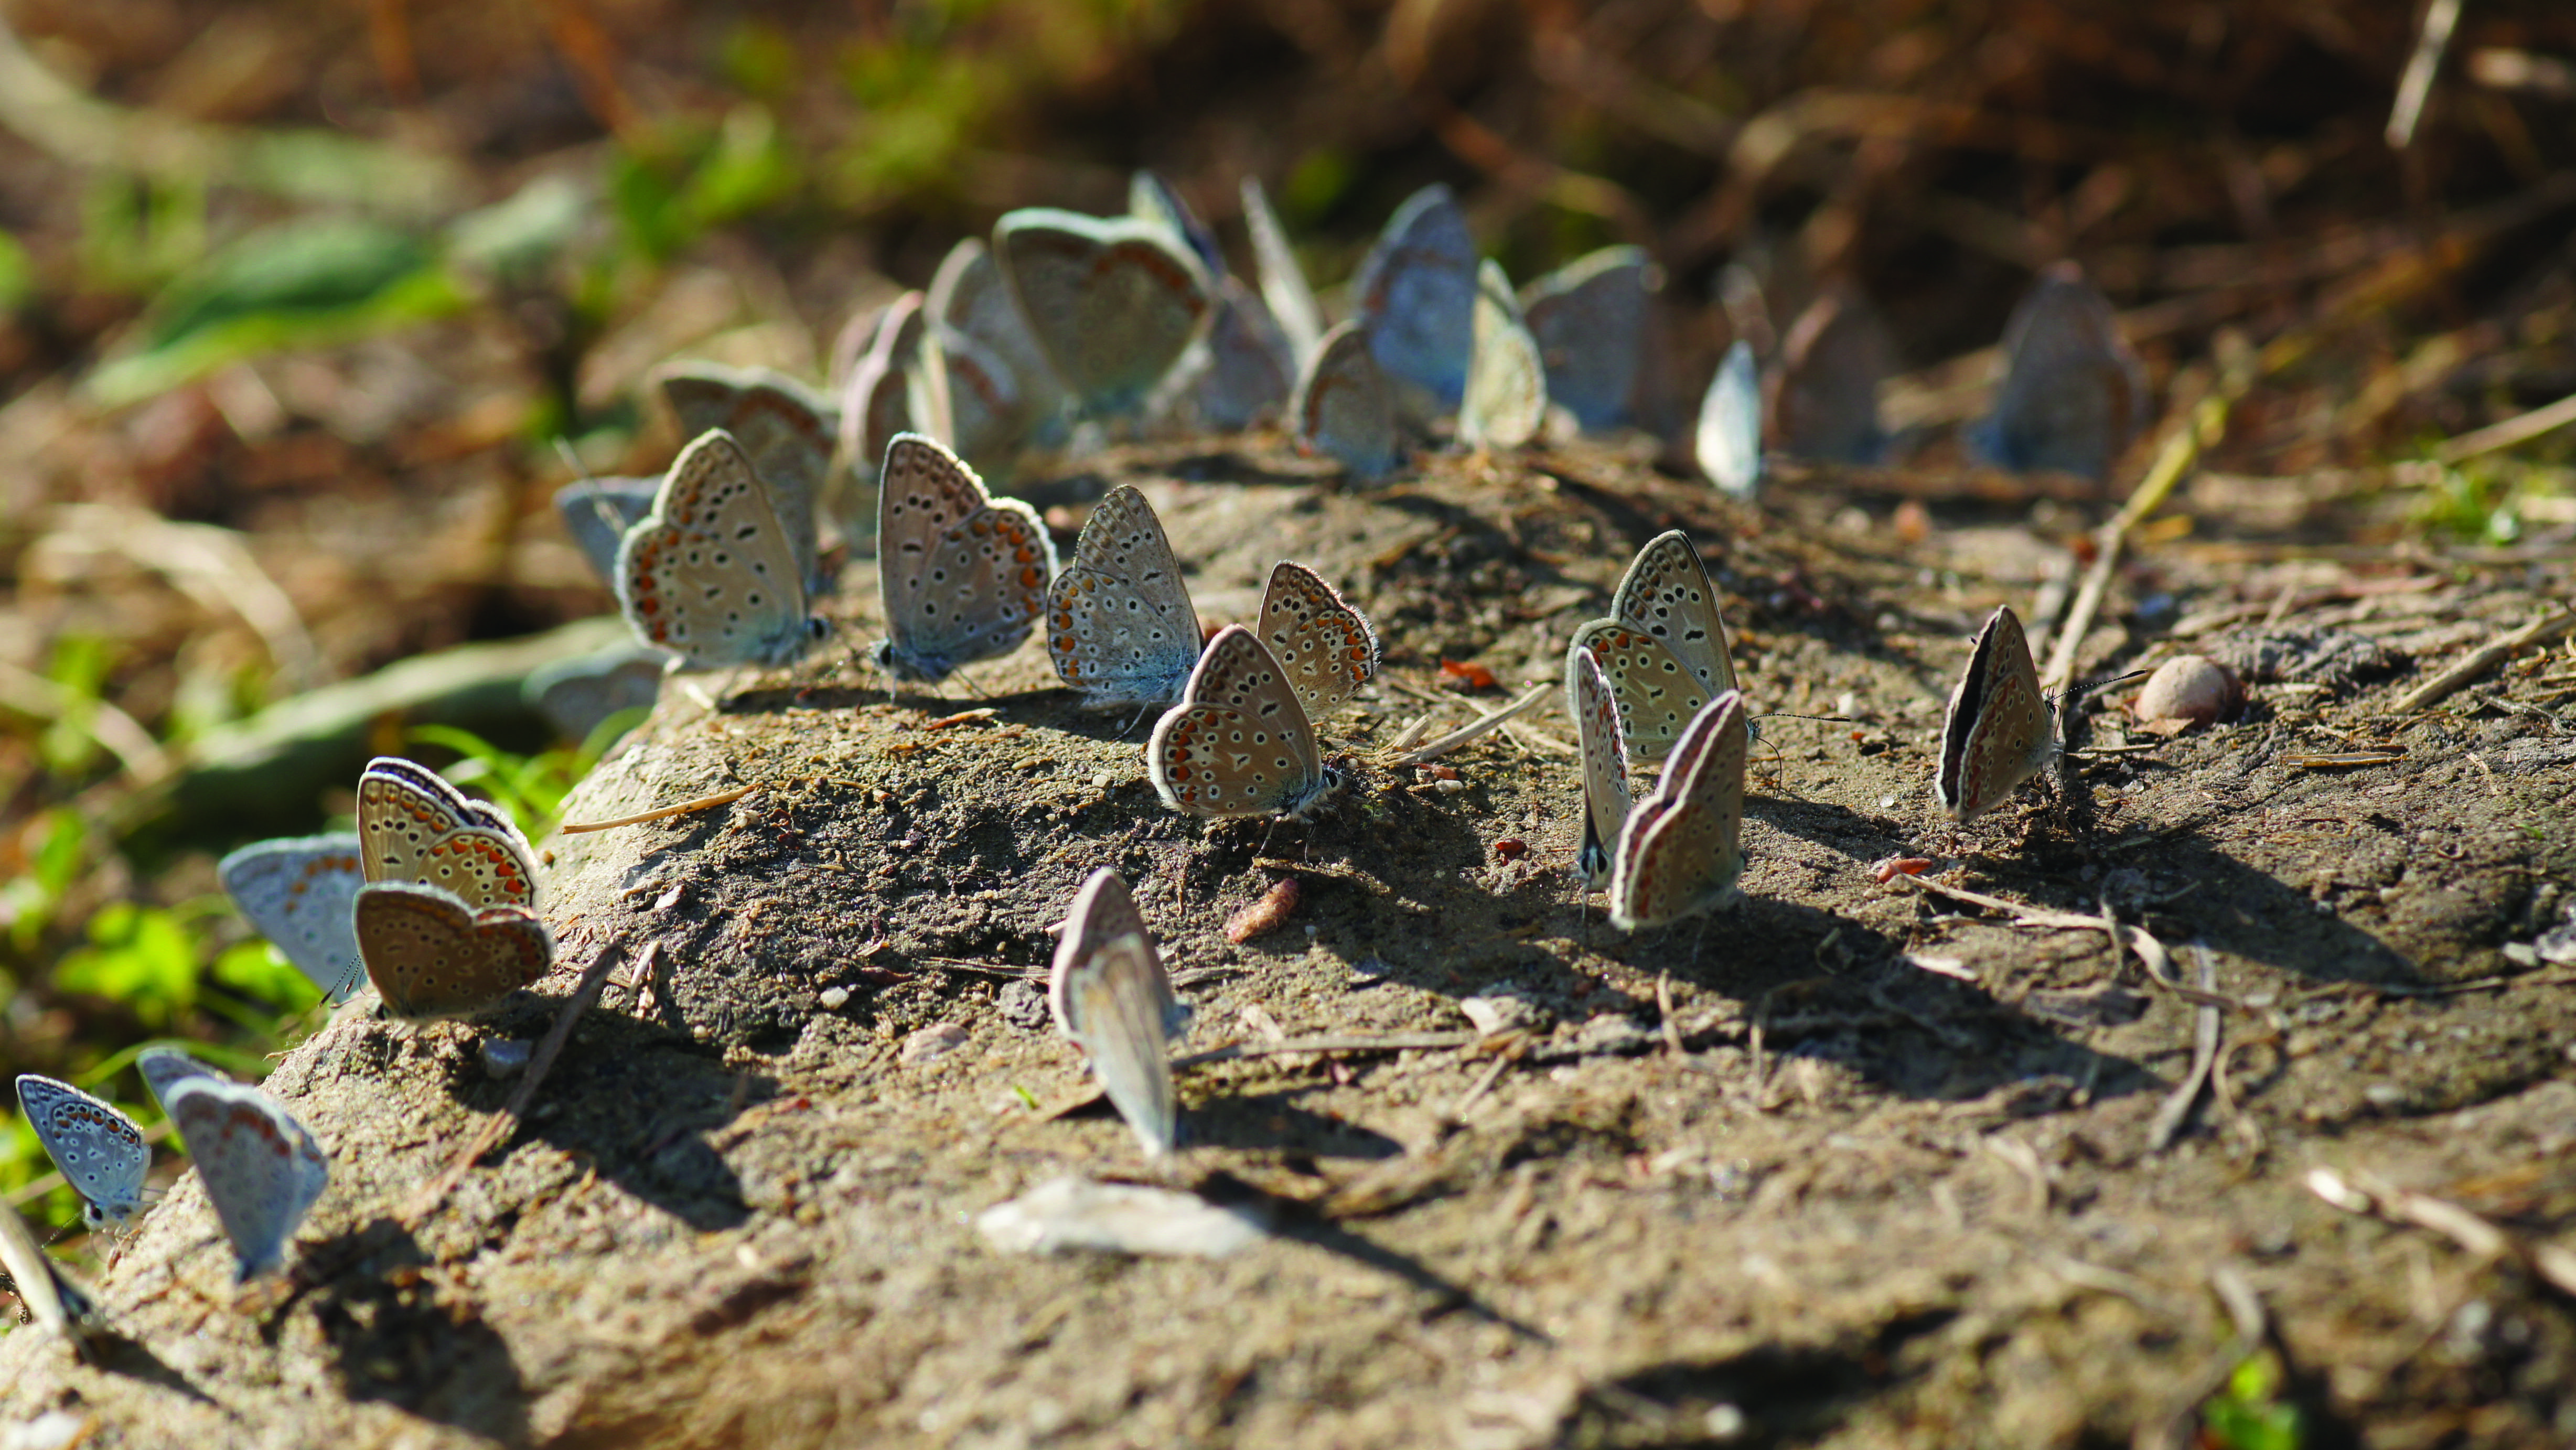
1652,681
262,1170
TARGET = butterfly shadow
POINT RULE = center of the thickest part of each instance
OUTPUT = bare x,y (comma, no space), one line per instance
1833,989
399,1337
1273,1122
113,1353
638,1103
1300,1222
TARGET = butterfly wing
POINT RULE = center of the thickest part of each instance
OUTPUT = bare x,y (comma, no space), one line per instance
297,894
1997,732
2072,390
414,826
429,955
1120,627
261,1169
1682,850
597,512
1324,648
963,576
1729,438
1283,281
1594,707
1239,743
1416,298
971,295
1657,693
166,1067
52,1297
1344,407
1832,361
98,1148
1113,302
1250,366
1589,321
711,575
1506,394
1668,595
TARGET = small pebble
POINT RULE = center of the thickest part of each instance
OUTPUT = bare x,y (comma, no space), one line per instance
2522,954
833,999
505,1056
2194,689
1510,848
1024,1006
931,1042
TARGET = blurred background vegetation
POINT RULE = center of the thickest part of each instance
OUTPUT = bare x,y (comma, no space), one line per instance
295,299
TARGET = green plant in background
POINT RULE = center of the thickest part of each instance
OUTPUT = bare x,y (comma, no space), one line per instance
531,787
137,234
2472,502
2249,1413
68,746
29,901
304,283
693,178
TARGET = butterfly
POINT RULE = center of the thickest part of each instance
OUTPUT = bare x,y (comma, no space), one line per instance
1114,302
53,1299
1416,299
597,512
1152,198
710,574
297,893
2073,393
1589,319
414,826
98,1148
1506,394
970,295
1594,707
1119,623
1238,743
164,1068
1831,363
1247,370
1680,851
1111,998
1729,440
963,574
1283,283
876,398
261,1168
785,428
1999,731
1324,648
1663,644
578,696
1343,407
430,953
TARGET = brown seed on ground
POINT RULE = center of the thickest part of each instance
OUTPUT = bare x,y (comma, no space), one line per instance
1267,915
